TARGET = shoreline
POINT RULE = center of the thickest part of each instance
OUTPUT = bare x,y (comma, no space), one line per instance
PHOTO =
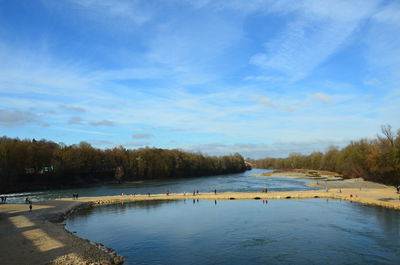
40,237
324,179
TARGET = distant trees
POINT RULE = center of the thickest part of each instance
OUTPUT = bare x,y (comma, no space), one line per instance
376,160
31,164
119,174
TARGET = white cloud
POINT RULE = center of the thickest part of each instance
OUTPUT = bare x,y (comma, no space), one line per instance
263,78
120,10
322,97
372,82
277,149
128,74
142,135
75,120
156,87
136,144
102,123
193,51
80,131
388,14
11,118
383,43
72,108
266,100
281,103
320,29
101,142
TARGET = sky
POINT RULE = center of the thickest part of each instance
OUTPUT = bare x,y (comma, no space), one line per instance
261,78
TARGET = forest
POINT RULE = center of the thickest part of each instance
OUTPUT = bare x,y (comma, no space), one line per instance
376,159
31,164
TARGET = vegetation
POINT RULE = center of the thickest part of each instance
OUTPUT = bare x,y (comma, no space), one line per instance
375,160
31,164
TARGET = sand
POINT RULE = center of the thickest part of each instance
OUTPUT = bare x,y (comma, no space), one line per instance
325,179
358,183
39,237
301,174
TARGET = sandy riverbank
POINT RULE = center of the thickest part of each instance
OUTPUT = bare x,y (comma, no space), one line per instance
357,183
324,179
302,174
39,237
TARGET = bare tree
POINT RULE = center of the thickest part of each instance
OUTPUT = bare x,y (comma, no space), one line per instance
387,131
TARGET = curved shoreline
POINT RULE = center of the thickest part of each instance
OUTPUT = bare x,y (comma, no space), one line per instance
39,237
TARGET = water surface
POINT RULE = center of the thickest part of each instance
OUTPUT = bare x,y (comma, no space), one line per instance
314,231
240,182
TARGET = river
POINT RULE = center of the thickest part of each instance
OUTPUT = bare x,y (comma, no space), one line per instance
240,182
313,231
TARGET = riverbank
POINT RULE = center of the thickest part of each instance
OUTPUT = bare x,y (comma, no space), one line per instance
302,174
324,179
39,237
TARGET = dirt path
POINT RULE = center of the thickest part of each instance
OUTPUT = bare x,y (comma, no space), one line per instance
39,237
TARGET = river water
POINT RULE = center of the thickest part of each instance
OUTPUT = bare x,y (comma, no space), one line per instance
240,182
314,231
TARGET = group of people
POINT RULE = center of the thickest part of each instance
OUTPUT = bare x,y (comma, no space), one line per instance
3,199
75,195
195,192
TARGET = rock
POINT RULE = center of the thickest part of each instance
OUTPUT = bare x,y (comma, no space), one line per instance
118,260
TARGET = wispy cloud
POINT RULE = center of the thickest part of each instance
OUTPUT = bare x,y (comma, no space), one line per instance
322,97
11,118
313,36
101,143
260,150
75,120
72,108
382,42
136,144
82,131
102,123
142,135
180,70
120,10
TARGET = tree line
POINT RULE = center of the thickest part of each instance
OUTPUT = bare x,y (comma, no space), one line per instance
30,164
372,159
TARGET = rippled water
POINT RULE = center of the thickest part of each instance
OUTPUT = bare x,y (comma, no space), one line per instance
315,231
231,182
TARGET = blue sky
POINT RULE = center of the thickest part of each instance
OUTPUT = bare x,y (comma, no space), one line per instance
262,78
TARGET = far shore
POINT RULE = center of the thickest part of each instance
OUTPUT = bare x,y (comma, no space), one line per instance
39,237
324,179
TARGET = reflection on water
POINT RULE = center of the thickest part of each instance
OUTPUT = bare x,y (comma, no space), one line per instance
315,231
232,182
